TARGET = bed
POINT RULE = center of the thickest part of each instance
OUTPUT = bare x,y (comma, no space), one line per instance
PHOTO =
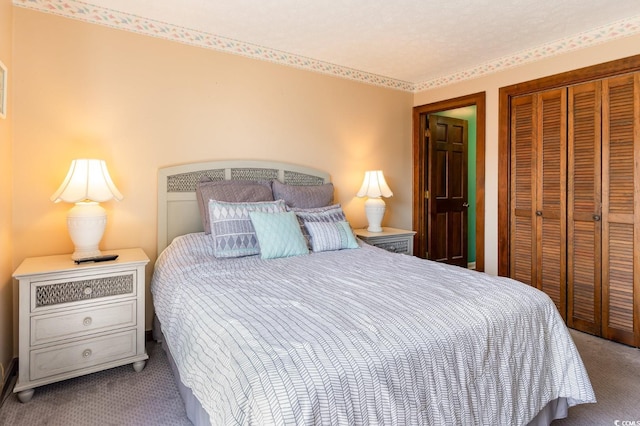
353,336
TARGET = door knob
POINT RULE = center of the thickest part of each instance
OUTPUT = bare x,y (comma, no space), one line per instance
596,218
538,213
465,204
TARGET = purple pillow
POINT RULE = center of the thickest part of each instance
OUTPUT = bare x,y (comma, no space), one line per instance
231,191
303,196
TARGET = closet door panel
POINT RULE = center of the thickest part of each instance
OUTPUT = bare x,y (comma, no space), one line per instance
620,208
523,180
551,196
584,213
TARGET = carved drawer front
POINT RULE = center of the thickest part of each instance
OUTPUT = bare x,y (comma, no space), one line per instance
80,322
82,354
399,246
51,293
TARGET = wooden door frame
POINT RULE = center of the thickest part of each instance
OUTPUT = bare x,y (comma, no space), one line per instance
582,75
479,100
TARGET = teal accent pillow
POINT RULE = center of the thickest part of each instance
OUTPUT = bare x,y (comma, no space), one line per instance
327,236
278,234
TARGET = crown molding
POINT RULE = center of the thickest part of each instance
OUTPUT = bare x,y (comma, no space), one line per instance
78,10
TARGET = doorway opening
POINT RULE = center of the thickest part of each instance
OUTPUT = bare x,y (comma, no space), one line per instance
472,109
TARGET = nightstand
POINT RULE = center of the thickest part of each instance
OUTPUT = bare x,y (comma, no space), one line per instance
79,319
390,239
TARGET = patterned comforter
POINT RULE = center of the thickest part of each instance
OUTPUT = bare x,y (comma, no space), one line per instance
360,337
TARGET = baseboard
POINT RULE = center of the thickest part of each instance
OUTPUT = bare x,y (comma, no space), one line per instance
471,265
10,379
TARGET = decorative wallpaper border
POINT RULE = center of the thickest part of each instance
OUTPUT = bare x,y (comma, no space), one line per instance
79,10
619,29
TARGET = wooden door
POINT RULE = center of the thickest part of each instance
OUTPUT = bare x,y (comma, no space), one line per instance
621,209
551,196
584,225
523,193
538,199
448,190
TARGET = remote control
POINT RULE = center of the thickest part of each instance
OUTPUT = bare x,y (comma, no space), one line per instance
103,258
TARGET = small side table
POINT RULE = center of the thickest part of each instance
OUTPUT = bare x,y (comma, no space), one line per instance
79,319
390,239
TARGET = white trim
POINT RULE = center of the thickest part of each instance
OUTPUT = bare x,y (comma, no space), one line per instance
3,90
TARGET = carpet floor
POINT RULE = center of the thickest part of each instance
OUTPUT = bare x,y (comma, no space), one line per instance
120,396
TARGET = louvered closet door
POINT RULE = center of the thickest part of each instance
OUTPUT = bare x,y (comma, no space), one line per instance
551,197
584,213
523,179
538,197
621,209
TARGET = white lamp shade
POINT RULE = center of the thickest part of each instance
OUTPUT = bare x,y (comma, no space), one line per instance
374,185
87,180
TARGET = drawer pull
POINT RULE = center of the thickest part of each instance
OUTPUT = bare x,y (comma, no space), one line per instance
88,290
87,321
86,353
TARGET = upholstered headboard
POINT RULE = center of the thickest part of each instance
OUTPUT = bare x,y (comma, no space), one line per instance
178,212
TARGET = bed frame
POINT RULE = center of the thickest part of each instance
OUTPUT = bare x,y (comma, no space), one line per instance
178,214
178,211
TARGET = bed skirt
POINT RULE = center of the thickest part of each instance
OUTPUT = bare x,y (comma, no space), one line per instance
554,410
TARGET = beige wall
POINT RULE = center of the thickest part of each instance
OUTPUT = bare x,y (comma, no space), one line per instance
141,103
491,84
6,267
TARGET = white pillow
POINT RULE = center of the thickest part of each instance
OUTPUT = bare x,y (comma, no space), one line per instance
231,228
326,236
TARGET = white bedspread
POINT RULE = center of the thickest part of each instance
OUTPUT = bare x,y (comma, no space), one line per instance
360,337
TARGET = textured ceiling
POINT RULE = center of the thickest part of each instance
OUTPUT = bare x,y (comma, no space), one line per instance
405,44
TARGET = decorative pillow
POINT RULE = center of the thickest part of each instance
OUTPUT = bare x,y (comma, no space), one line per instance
231,229
234,191
326,236
303,196
279,234
331,213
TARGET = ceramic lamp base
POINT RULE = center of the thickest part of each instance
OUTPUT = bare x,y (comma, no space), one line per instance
86,222
374,208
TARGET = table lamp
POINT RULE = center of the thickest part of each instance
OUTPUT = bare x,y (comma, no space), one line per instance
87,184
374,186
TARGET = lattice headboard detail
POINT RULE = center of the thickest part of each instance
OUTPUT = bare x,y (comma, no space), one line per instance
178,212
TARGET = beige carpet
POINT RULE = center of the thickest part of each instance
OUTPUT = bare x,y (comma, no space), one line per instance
122,397
614,370
118,396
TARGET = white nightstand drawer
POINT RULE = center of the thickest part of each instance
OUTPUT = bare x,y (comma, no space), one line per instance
390,239
86,353
394,246
82,289
79,322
